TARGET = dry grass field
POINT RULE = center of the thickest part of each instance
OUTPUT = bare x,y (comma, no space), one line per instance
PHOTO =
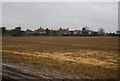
95,57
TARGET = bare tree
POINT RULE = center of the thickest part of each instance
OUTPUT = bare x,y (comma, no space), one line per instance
101,31
85,30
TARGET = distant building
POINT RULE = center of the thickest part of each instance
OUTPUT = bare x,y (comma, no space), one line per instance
63,31
94,33
117,32
71,32
85,31
77,32
40,31
106,34
29,31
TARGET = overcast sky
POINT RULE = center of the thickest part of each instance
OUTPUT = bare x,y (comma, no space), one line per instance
53,15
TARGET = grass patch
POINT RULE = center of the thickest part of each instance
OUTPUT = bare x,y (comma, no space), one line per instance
62,62
95,57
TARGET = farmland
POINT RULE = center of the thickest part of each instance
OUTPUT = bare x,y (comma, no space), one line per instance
95,57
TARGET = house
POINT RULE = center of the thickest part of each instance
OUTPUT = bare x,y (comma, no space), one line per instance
77,32
63,31
117,32
29,31
94,33
85,31
40,31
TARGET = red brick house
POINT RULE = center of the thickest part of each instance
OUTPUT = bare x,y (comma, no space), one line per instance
40,31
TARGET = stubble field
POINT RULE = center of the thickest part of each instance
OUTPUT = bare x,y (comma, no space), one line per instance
95,57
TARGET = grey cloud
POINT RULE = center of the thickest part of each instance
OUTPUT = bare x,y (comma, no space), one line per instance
66,15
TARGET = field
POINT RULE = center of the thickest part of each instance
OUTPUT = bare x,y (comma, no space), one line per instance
95,57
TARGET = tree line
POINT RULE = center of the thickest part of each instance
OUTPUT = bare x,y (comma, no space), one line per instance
17,31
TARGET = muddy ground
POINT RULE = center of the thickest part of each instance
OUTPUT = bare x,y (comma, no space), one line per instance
20,72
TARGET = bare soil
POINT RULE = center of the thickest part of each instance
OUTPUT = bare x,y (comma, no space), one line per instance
20,71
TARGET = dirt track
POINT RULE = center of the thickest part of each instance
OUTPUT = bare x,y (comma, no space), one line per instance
20,72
